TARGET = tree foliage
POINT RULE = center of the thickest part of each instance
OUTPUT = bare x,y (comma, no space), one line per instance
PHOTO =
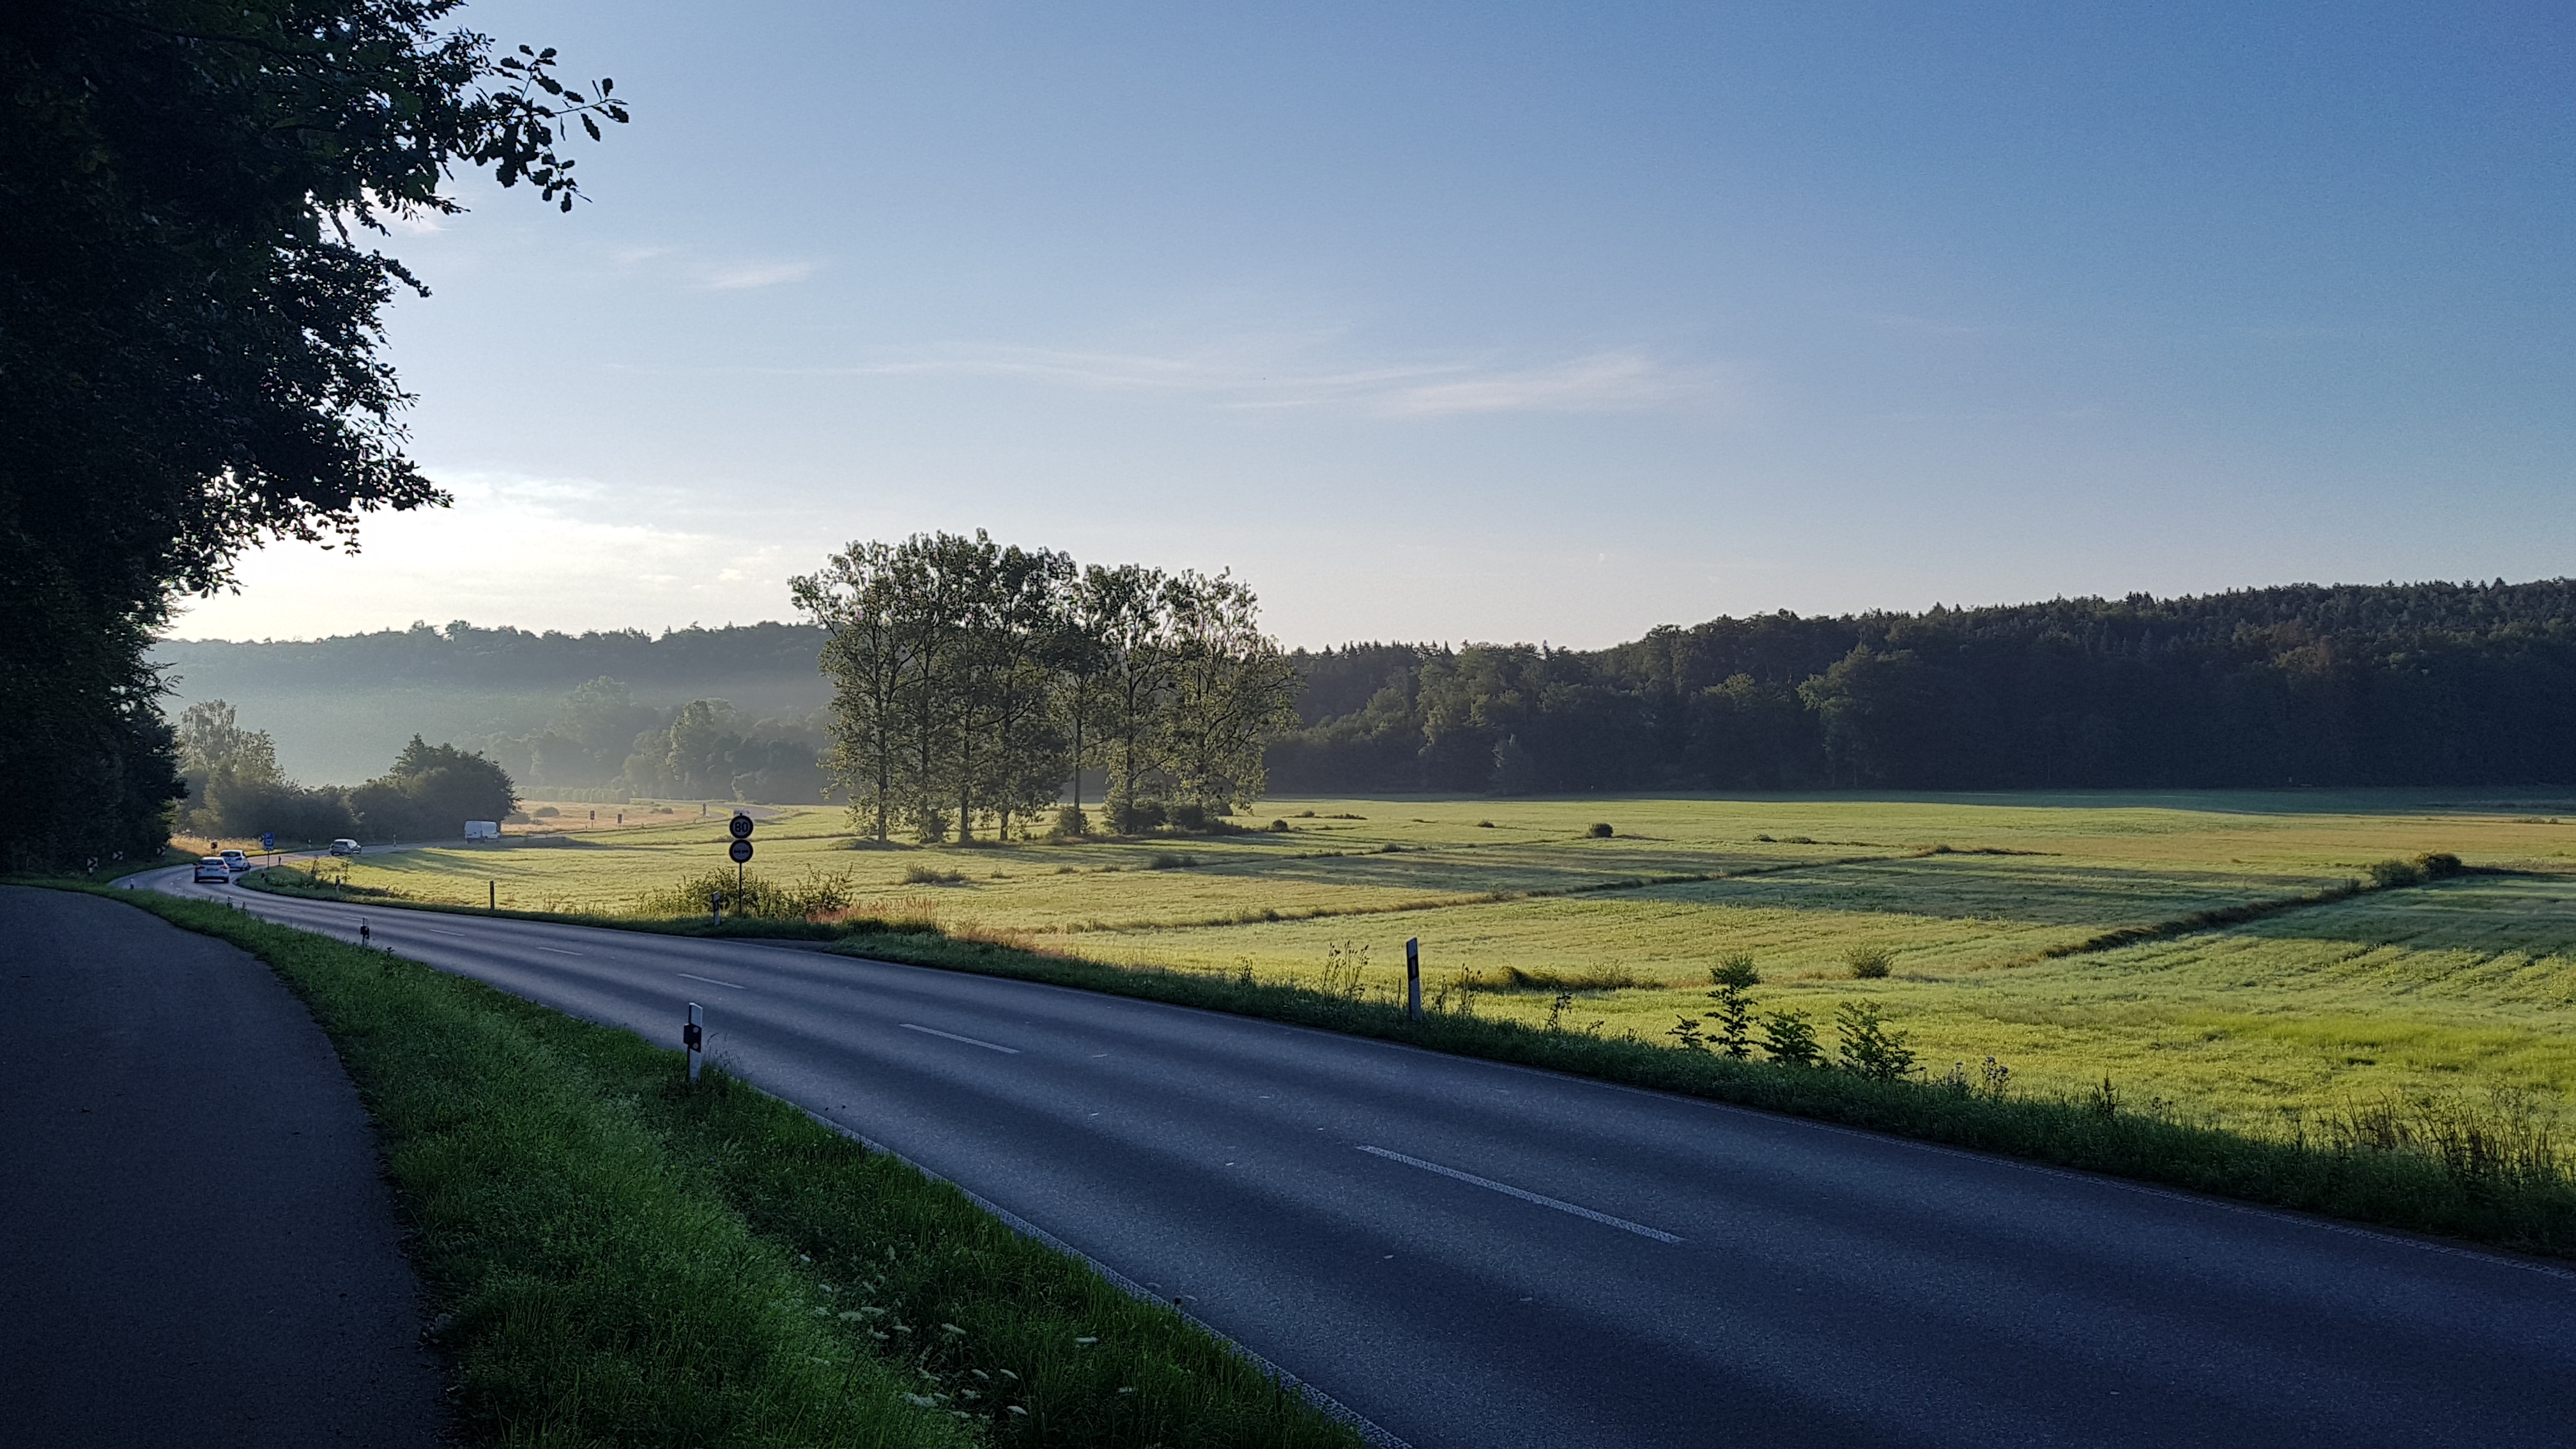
972,682
2416,684
191,320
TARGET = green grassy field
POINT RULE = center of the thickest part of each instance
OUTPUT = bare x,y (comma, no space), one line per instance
2458,986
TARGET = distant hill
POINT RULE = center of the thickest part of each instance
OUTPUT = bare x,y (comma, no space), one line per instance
340,708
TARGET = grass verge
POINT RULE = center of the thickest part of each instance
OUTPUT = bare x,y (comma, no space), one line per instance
620,1258
2479,1172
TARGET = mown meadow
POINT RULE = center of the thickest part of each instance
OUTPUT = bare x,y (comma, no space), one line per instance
2207,949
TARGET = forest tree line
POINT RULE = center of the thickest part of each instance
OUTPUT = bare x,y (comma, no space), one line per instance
975,683
2402,684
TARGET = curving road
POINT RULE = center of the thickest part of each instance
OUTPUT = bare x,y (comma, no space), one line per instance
1473,1254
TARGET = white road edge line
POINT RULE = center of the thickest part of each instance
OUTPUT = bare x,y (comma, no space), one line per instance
952,1036
1525,1195
711,981
560,951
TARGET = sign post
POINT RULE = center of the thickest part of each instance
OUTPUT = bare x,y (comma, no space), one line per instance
740,850
694,1037
1413,977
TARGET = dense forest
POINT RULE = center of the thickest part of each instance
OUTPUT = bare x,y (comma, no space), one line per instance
2402,684
691,659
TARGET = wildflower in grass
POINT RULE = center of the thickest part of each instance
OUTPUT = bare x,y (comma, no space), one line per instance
1995,1079
1868,1048
1791,1039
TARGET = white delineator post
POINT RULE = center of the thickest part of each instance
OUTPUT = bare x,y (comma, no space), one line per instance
1413,977
694,1037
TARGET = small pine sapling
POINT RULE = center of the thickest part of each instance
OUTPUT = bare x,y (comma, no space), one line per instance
1688,1034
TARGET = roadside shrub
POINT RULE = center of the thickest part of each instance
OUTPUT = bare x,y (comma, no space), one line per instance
1135,817
2437,865
815,895
930,827
1791,1039
1071,823
1732,1023
547,812
1602,831
1278,827
1165,860
1869,963
1867,1047
932,875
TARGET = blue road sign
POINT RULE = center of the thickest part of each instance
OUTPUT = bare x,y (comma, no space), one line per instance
268,841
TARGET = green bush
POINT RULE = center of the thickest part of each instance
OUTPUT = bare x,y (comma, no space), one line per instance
1791,1039
1867,1047
1602,831
2389,874
1869,963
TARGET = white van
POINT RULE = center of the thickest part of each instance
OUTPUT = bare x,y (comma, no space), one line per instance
482,829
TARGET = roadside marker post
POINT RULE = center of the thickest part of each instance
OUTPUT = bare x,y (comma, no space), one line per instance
492,897
1413,977
694,1037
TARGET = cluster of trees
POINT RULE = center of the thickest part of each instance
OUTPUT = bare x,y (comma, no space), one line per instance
235,788
2430,684
190,330
974,682
704,749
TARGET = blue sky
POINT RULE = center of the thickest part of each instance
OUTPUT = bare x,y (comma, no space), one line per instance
1490,322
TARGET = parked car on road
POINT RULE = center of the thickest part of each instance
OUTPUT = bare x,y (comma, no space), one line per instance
235,859
344,847
213,868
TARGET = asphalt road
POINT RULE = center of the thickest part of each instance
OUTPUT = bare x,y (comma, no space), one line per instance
1474,1254
196,1244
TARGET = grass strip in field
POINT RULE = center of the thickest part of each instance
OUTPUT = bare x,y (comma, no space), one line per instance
621,1258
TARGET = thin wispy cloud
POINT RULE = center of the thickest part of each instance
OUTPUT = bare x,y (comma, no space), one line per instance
1259,378
747,275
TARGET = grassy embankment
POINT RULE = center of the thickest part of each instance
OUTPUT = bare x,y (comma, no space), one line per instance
618,1257
2098,945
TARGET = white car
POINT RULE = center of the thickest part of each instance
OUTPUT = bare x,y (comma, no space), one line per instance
237,861
344,847
212,869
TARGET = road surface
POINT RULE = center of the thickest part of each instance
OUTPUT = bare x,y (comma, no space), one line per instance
197,1246
1473,1254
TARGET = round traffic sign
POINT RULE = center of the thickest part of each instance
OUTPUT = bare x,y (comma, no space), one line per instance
740,852
741,827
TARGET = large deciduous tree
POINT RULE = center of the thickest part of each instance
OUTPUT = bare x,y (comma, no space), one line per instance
191,323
